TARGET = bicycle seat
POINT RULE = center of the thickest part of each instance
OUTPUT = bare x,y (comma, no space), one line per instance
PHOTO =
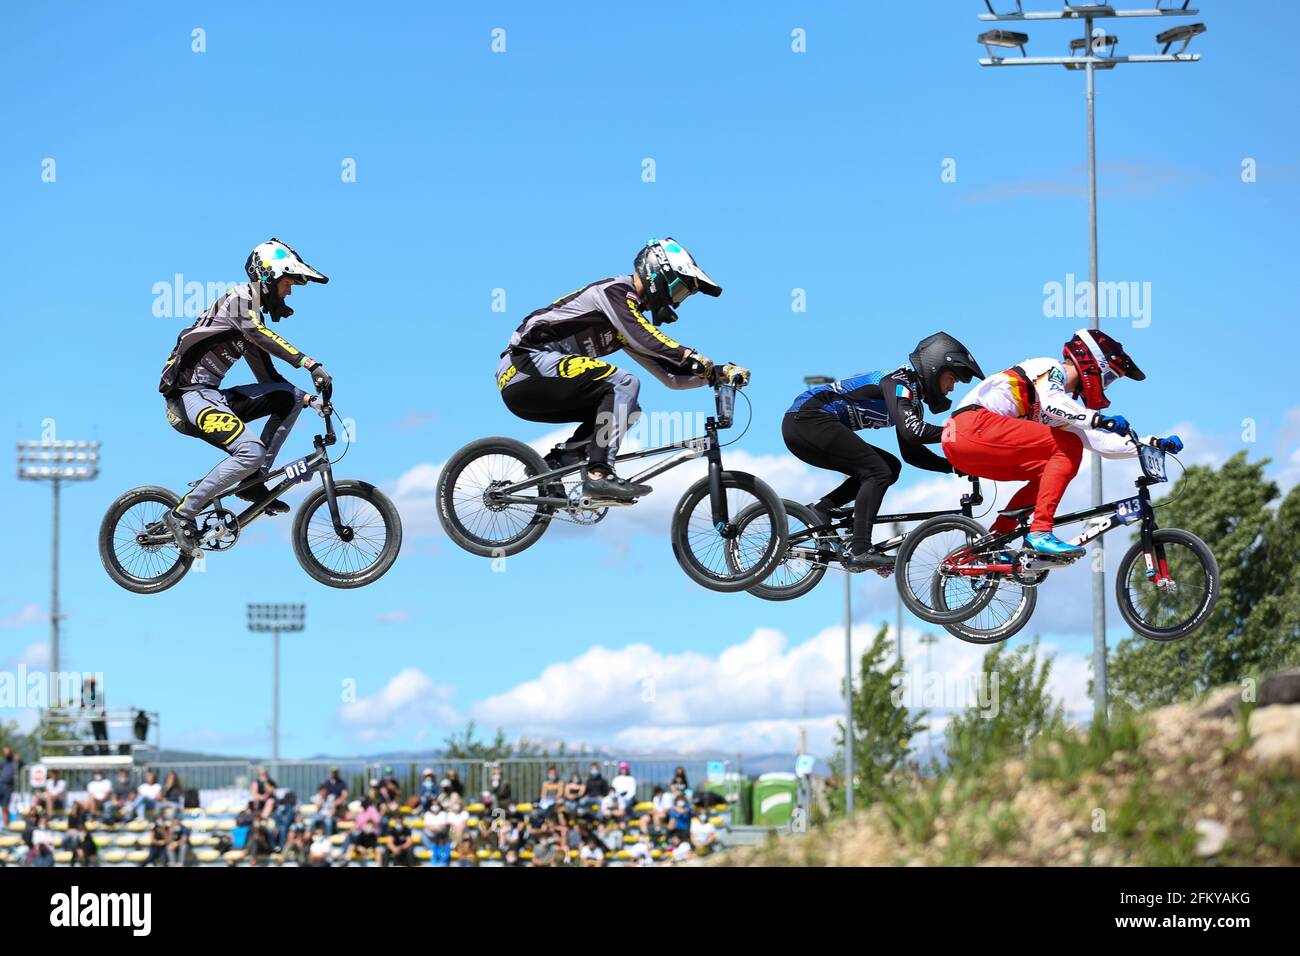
1016,512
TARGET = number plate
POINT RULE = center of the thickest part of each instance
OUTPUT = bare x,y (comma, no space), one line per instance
297,471
726,403
1128,510
1153,462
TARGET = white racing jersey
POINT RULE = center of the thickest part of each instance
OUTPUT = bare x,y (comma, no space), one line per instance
1047,402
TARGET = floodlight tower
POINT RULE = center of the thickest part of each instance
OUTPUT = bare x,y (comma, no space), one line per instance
57,462
1094,50
276,618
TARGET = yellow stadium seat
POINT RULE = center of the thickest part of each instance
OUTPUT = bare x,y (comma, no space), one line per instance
716,821
137,856
338,838
415,823
93,824
137,825
113,856
422,853
60,825
8,841
126,839
224,824
524,807
645,806
484,854
623,855
192,812
496,855
307,809
233,856
203,825
345,825
525,854
62,856
656,854
207,855
475,808
17,824
102,839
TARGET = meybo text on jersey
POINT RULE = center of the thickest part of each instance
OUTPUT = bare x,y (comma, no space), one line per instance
102,909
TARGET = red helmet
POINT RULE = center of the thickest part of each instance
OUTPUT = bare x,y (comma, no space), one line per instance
1100,360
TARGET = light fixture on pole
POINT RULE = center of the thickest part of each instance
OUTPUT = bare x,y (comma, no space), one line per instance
277,619
811,381
56,462
1094,50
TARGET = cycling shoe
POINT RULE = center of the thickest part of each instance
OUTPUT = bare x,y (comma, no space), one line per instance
1044,542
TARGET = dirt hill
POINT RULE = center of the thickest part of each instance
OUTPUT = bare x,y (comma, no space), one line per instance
1215,782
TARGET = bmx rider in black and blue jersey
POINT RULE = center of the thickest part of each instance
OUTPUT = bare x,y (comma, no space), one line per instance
821,428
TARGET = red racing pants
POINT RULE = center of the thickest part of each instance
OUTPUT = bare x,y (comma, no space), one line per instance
988,445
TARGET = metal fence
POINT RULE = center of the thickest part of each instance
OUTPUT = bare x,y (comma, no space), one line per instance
524,774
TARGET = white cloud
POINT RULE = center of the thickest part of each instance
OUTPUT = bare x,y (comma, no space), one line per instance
25,615
752,696
407,704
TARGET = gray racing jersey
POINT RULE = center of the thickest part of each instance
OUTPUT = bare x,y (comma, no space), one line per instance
602,318
230,329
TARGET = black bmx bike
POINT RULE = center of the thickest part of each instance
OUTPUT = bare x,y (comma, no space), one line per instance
815,546
497,496
949,569
346,533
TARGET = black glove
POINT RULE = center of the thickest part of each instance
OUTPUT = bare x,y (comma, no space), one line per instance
321,378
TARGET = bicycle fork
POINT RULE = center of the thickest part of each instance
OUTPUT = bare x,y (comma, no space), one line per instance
717,498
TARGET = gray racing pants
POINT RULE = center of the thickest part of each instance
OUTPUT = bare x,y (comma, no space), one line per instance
219,417
553,387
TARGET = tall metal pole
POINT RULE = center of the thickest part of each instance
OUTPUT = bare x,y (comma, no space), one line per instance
848,695
275,695
54,595
898,609
1099,690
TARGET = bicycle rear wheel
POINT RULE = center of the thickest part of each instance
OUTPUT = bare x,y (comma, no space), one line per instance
127,549
930,558
729,558
466,507
1175,596
798,572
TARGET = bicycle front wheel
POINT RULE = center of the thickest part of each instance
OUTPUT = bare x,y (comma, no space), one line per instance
730,558
929,571
1167,596
366,547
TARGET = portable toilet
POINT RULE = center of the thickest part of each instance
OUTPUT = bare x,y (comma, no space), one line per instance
775,795
737,790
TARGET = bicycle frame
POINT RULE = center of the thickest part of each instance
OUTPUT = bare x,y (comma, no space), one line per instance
293,472
1124,511
969,501
706,446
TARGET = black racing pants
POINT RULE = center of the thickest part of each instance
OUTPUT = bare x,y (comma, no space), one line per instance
822,440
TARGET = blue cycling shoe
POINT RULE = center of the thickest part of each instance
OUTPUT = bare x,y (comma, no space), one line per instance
1044,542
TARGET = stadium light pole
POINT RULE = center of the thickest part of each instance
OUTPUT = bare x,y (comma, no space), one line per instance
1094,50
277,619
810,381
928,639
56,462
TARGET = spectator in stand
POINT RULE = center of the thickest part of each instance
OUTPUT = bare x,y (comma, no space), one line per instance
158,840
611,806
85,852
390,791
297,842
679,820
597,786
428,789
318,854
625,785
574,791
640,851
679,780
98,791
263,791
178,847
661,803
172,793
336,787
147,796
703,833
499,786
552,789
326,810
9,767
365,833
592,852
457,786
457,818
402,847
39,839
92,701
53,797
76,816
121,798
679,849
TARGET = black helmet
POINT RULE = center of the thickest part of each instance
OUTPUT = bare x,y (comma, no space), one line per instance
669,274
932,355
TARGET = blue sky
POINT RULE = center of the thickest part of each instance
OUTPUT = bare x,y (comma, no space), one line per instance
522,171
